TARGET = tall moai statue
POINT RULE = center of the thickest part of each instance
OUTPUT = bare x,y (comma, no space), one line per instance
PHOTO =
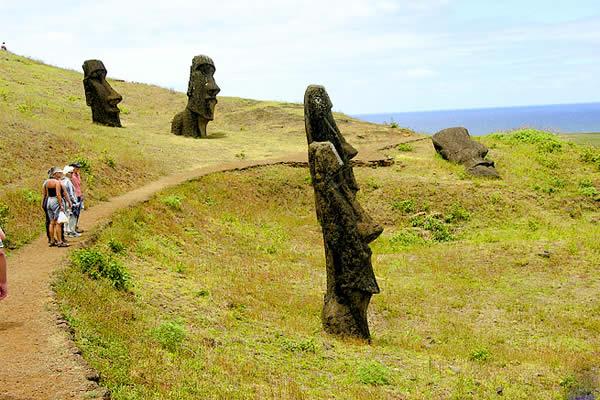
202,99
347,229
99,95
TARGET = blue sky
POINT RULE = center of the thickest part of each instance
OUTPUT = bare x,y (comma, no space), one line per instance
372,55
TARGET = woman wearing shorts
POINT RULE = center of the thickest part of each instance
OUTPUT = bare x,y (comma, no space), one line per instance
52,192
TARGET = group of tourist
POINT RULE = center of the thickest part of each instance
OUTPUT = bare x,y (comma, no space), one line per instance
62,203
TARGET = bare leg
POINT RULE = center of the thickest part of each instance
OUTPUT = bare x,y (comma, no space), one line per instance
3,284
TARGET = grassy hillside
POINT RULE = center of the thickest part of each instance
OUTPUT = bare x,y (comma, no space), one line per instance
489,287
44,121
592,139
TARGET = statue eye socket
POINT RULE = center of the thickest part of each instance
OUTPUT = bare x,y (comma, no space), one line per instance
205,69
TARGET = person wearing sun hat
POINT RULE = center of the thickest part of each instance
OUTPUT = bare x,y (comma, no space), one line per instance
71,202
76,180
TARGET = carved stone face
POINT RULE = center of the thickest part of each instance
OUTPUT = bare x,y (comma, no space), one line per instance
319,122
99,95
456,145
202,88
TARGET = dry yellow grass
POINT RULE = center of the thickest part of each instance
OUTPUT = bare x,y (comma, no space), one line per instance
44,121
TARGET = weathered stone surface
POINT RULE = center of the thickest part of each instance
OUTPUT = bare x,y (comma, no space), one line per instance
456,145
202,99
347,229
99,95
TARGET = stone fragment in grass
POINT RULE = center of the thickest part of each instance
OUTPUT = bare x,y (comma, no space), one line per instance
456,145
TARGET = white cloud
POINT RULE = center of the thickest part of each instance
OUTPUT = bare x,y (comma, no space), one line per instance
271,49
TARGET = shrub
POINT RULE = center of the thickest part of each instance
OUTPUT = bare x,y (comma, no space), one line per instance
4,213
299,346
170,335
406,206
404,147
587,188
86,165
590,155
438,229
480,355
116,246
394,125
406,238
545,142
457,213
32,197
172,201
97,265
373,373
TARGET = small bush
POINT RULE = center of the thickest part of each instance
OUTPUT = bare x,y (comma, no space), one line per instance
590,155
116,246
4,214
172,201
299,346
404,147
481,355
374,373
394,125
86,165
587,188
457,213
241,155
32,197
545,142
170,335
97,265
406,206
406,238
438,229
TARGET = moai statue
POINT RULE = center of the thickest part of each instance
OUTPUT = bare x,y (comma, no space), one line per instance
347,229
456,145
99,95
202,99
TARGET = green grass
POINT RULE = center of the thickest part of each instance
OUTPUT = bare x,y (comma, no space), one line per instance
226,295
592,139
45,122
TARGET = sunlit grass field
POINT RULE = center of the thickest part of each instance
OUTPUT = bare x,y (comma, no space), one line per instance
45,122
489,287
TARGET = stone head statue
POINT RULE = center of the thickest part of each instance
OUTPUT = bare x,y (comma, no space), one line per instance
347,228
456,145
99,95
202,99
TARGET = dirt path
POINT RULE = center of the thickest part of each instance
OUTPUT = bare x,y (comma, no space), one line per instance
38,361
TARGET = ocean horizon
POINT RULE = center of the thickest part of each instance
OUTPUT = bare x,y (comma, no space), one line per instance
558,118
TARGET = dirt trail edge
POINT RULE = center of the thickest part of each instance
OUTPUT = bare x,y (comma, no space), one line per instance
38,360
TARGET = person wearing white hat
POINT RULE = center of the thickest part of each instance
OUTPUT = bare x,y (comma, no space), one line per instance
71,202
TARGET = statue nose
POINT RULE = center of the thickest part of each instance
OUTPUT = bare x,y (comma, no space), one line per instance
115,98
212,88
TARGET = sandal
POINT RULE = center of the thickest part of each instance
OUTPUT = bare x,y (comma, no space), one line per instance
62,244
52,244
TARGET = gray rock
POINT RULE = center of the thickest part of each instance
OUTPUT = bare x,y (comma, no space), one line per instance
456,145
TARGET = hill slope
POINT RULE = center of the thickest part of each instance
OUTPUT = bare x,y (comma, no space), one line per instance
44,121
489,287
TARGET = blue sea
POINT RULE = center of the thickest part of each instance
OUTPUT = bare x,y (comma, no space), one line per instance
563,118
